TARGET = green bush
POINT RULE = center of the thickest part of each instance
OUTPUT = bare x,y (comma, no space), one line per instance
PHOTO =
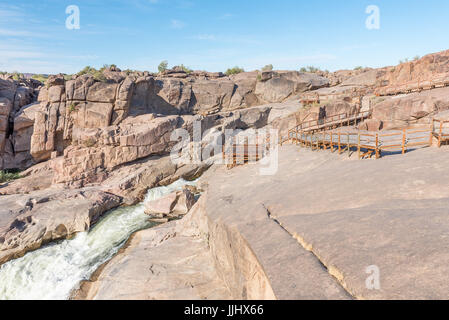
40,77
235,70
163,66
310,69
268,67
97,74
6,176
17,76
358,68
185,69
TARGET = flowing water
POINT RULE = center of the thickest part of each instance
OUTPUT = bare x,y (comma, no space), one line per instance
53,271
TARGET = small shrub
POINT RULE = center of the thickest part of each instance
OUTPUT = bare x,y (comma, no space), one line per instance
163,66
6,176
185,69
310,69
358,68
72,108
90,142
96,74
17,76
235,70
40,77
268,67
415,58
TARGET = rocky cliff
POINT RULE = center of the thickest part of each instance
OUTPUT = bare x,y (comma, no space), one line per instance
91,113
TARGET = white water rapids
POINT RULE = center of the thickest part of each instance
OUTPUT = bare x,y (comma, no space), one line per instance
53,271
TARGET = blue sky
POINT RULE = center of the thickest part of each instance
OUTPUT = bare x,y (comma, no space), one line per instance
216,34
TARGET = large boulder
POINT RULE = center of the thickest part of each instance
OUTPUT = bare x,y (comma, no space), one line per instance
283,84
173,205
211,96
410,109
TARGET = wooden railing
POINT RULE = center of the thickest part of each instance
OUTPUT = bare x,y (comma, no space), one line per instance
366,143
310,98
441,130
436,81
334,121
236,152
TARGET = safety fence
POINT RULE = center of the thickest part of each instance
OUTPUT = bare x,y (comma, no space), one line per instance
330,122
441,130
367,144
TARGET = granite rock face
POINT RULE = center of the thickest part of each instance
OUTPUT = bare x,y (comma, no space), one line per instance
29,221
109,116
16,124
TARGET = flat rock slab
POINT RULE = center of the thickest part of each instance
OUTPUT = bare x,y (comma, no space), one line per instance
236,199
158,264
409,244
30,220
349,215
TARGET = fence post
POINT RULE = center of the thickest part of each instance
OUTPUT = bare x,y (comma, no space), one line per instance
358,145
223,151
349,149
323,141
332,142
441,134
431,135
297,140
339,142
403,140
377,146
300,138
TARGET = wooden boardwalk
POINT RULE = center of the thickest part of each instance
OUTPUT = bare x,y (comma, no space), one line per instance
365,143
327,134
327,123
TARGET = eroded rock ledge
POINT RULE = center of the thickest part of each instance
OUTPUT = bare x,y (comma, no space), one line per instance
273,237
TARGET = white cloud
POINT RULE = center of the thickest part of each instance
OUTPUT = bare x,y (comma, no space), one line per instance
18,33
209,37
177,24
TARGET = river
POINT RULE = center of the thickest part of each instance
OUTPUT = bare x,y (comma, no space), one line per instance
53,271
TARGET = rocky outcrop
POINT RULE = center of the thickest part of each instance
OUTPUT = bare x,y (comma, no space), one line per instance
15,123
422,69
70,109
278,86
29,221
414,108
171,206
